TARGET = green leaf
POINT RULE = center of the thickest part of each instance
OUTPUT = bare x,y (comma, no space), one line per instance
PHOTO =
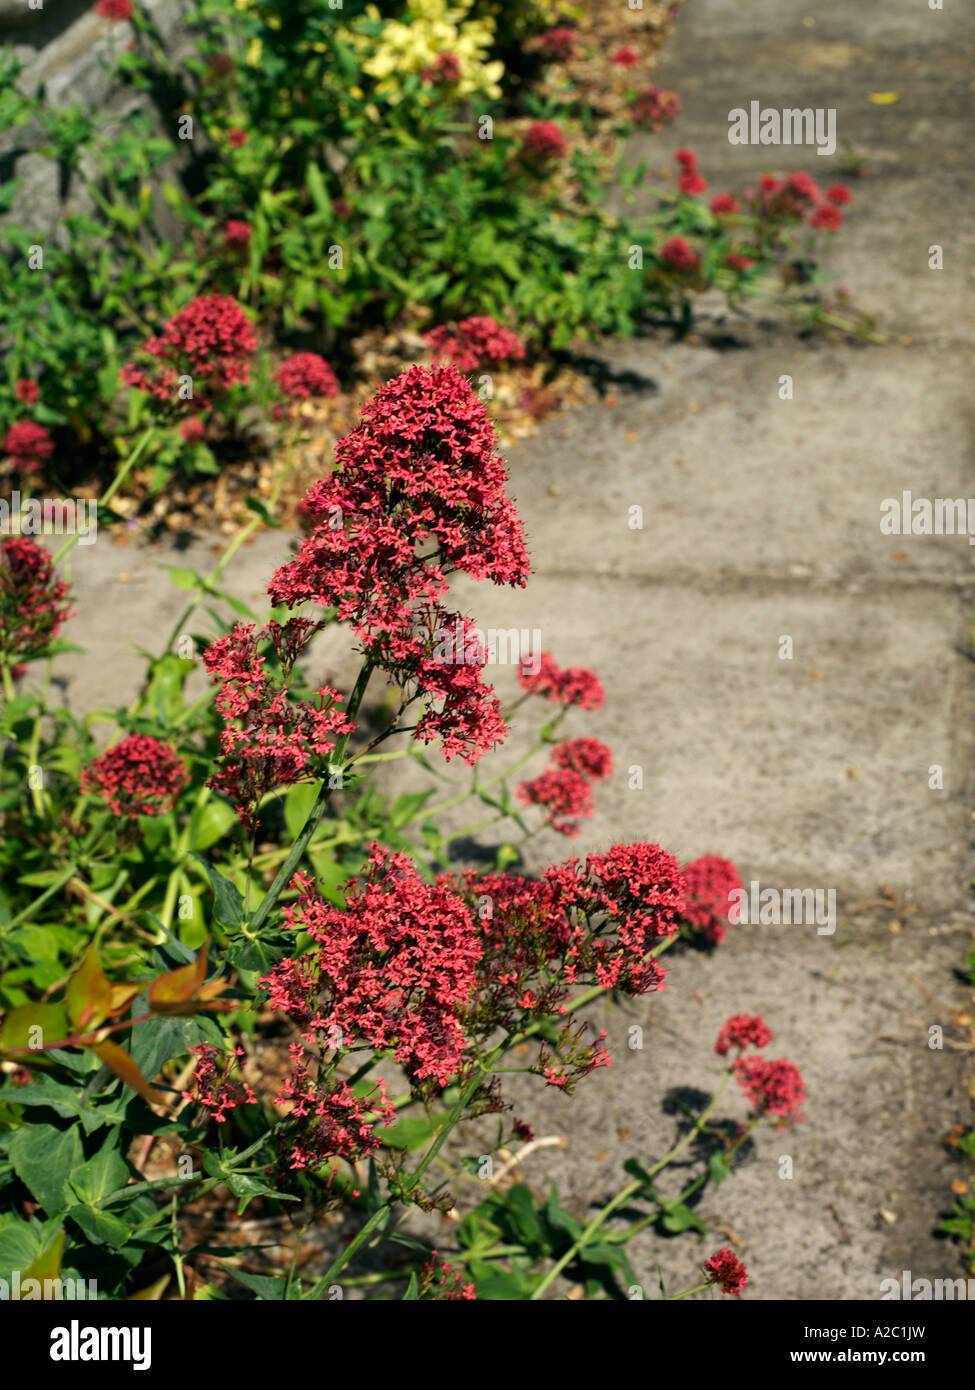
210,823
44,1158
523,1217
720,1168
408,1134
411,1294
297,804
228,906
407,806
680,1218
93,1181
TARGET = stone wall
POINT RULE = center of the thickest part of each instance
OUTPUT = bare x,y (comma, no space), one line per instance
66,48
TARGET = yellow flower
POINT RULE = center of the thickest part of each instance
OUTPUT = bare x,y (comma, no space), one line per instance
254,50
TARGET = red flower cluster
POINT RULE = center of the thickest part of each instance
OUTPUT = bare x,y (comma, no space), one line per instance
677,255
573,686
327,1119
33,601
655,107
26,390
709,884
27,444
564,789
638,889
558,44
193,429
304,375
626,58
772,1088
211,341
798,198
544,143
727,1271
724,204
690,181
394,969
741,1031
114,9
476,342
737,263
439,1283
138,777
237,137
275,741
826,218
445,69
214,1086
236,235
420,468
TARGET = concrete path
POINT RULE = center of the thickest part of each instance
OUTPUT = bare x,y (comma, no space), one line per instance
762,521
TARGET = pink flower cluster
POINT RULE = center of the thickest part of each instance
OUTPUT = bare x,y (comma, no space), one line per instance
268,740
395,969
327,1119
741,1031
439,1283
543,144
772,1088
444,70
798,198
214,1085
27,443
709,884
211,341
727,1271
690,181
476,342
678,255
656,107
418,492
138,777
33,601
114,9
565,788
572,686
558,44
304,375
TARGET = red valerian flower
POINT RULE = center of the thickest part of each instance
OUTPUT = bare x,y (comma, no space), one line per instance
237,137
655,107
304,375
784,201
692,184
626,58
638,889
724,204
193,429
26,390
27,443
211,341
439,1283
687,160
772,1088
677,255
727,1271
737,263
839,194
327,1119
741,1031
558,44
477,341
445,70
394,969
214,1086
586,755
33,601
114,9
275,741
709,883
138,777
236,235
566,796
543,143
418,492
572,686
827,218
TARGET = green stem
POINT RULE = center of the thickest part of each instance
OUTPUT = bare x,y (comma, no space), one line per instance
113,488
